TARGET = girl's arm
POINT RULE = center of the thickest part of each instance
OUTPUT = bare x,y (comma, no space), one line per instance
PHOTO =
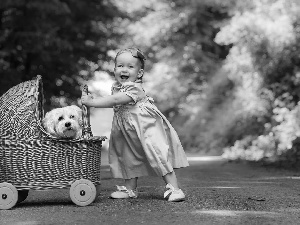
107,101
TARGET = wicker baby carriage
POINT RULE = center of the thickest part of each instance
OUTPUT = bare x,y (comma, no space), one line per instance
30,158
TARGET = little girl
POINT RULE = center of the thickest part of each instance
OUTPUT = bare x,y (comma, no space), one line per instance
142,141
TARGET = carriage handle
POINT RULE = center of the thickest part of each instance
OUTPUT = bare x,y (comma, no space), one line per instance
86,131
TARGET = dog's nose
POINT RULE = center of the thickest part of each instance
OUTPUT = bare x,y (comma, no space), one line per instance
67,124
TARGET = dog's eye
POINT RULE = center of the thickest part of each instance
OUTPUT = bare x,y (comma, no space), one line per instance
60,118
72,116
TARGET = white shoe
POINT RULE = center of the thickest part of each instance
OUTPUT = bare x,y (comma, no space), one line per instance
123,192
173,195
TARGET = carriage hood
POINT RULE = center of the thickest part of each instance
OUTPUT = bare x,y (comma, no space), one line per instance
21,110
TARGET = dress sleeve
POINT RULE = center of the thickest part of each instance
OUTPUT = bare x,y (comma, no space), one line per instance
133,90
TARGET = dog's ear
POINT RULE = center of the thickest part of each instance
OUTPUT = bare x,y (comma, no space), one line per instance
79,113
49,122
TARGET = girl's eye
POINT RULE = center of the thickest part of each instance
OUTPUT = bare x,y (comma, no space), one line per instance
119,66
60,118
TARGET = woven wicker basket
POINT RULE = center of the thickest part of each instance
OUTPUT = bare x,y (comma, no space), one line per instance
32,159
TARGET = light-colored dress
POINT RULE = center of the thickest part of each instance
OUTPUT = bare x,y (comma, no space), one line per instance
142,141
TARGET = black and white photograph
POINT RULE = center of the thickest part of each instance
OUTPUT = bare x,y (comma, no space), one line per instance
155,112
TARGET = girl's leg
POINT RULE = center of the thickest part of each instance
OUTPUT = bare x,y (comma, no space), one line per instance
131,184
173,193
170,178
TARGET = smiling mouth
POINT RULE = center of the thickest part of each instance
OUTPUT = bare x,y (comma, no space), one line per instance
124,77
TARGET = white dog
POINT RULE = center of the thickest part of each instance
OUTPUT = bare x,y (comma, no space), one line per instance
64,122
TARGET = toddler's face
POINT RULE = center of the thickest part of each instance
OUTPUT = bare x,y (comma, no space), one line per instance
127,68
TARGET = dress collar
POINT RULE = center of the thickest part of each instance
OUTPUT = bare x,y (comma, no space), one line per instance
118,85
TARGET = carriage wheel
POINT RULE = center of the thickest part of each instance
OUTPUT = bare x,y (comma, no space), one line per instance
83,192
22,195
8,195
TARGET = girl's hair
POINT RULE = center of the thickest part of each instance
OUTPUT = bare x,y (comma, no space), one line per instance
136,53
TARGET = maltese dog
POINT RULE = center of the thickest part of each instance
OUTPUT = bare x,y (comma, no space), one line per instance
64,122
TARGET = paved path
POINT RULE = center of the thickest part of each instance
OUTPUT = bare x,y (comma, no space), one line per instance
217,193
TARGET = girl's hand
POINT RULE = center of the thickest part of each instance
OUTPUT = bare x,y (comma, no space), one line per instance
86,99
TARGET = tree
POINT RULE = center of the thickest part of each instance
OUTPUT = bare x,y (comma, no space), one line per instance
263,65
63,40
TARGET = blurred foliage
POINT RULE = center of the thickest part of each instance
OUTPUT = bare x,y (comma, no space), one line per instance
226,73
63,40
264,66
